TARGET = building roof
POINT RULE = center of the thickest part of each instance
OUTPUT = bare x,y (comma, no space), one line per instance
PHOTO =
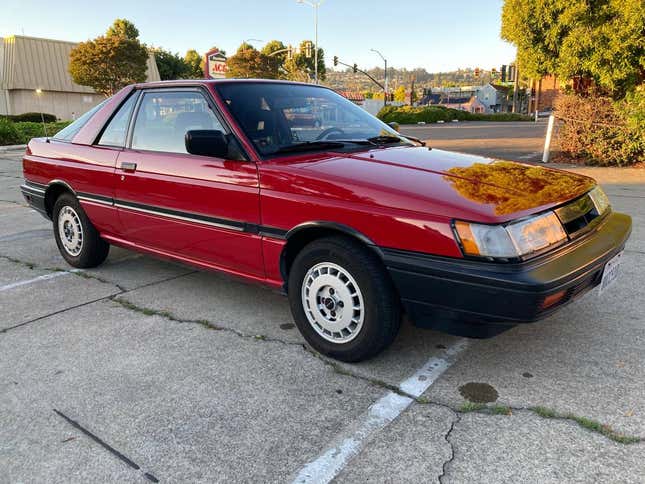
35,63
351,95
500,87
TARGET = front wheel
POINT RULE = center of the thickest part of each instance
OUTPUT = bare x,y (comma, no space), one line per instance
342,299
78,240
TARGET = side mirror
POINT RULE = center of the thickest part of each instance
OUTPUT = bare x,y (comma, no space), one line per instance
394,125
207,142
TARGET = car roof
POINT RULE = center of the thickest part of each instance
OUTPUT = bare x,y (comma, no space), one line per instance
192,82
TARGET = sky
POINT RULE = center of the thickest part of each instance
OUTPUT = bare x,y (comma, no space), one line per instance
438,35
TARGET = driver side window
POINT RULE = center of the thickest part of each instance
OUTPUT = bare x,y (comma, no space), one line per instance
164,118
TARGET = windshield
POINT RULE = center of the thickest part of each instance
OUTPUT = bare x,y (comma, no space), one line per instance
286,118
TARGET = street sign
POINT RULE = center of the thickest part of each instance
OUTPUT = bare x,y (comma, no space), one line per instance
215,65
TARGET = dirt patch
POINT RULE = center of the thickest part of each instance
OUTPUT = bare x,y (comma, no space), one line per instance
478,392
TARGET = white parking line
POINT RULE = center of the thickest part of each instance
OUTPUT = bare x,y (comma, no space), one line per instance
35,279
351,441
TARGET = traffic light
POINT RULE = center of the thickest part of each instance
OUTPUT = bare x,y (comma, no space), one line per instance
355,68
503,73
493,73
335,60
476,72
308,49
290,52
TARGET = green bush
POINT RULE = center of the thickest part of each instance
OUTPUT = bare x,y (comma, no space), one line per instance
30,117
9,134
20,133
597,130
432,114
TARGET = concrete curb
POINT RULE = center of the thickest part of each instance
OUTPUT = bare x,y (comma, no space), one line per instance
4,149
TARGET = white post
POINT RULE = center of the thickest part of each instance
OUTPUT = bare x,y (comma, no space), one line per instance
547,140
316,41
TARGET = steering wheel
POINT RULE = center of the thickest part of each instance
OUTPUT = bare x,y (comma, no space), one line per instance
329,131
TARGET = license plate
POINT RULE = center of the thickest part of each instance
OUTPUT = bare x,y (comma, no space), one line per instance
610,273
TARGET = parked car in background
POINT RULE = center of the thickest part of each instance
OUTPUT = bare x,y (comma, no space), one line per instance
356,223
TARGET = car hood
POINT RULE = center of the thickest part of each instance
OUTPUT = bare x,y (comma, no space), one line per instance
445,183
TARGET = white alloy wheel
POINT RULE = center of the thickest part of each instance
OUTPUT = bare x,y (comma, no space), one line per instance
70,231
333,302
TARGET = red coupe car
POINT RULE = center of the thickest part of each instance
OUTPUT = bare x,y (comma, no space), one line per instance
355,222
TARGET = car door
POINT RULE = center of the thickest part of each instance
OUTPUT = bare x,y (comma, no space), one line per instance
197,208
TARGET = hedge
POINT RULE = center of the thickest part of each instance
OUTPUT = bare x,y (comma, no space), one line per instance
432,114
30,117
20,133
597,130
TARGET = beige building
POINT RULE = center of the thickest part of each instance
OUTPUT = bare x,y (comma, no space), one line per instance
30,63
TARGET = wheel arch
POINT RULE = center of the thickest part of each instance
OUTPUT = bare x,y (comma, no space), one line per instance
301,235
55,189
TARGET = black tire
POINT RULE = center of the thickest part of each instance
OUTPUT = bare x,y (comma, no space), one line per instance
91,250
382,314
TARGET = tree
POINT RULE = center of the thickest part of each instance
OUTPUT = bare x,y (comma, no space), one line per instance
275,46
111,62
171,66
123,28
194,65
601,39
399,94
307,64
248,62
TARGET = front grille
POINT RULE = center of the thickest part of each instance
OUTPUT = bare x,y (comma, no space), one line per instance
577,216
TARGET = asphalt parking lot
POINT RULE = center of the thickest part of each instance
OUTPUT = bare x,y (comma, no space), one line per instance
143,370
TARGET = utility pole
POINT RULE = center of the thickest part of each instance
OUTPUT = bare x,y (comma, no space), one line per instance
516,77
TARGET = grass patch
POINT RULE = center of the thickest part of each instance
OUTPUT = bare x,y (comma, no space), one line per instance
468,407
544,412
589,424
500,410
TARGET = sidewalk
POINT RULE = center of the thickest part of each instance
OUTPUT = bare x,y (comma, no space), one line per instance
4,149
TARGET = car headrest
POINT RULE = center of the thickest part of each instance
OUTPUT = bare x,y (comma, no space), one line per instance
193,120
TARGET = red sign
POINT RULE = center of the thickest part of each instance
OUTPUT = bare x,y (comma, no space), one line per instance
215,65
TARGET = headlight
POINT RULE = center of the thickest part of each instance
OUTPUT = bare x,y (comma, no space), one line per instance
513,240
599,199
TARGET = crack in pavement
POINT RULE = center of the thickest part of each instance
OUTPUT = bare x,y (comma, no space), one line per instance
449,460
334,365
86,275
541,412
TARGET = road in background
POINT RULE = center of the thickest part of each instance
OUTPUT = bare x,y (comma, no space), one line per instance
518,141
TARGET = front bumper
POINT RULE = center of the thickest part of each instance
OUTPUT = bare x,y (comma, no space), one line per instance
482,299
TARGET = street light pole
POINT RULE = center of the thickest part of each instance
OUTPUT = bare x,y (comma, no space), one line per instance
39,93
248,42
385,83
315,6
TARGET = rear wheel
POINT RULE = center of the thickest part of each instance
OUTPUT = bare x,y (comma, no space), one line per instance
342,299
78,240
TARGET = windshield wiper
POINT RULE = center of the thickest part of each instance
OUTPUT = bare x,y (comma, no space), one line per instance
320,144
385,139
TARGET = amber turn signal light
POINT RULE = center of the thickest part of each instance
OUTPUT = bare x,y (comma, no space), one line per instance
553,299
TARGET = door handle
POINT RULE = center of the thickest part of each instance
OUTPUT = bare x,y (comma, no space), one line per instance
128,167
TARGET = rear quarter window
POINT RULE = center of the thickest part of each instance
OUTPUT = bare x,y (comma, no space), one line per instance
68,132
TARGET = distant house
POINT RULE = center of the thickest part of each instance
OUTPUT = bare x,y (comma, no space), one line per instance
494,97
472,104
30,63
464,99
353,96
